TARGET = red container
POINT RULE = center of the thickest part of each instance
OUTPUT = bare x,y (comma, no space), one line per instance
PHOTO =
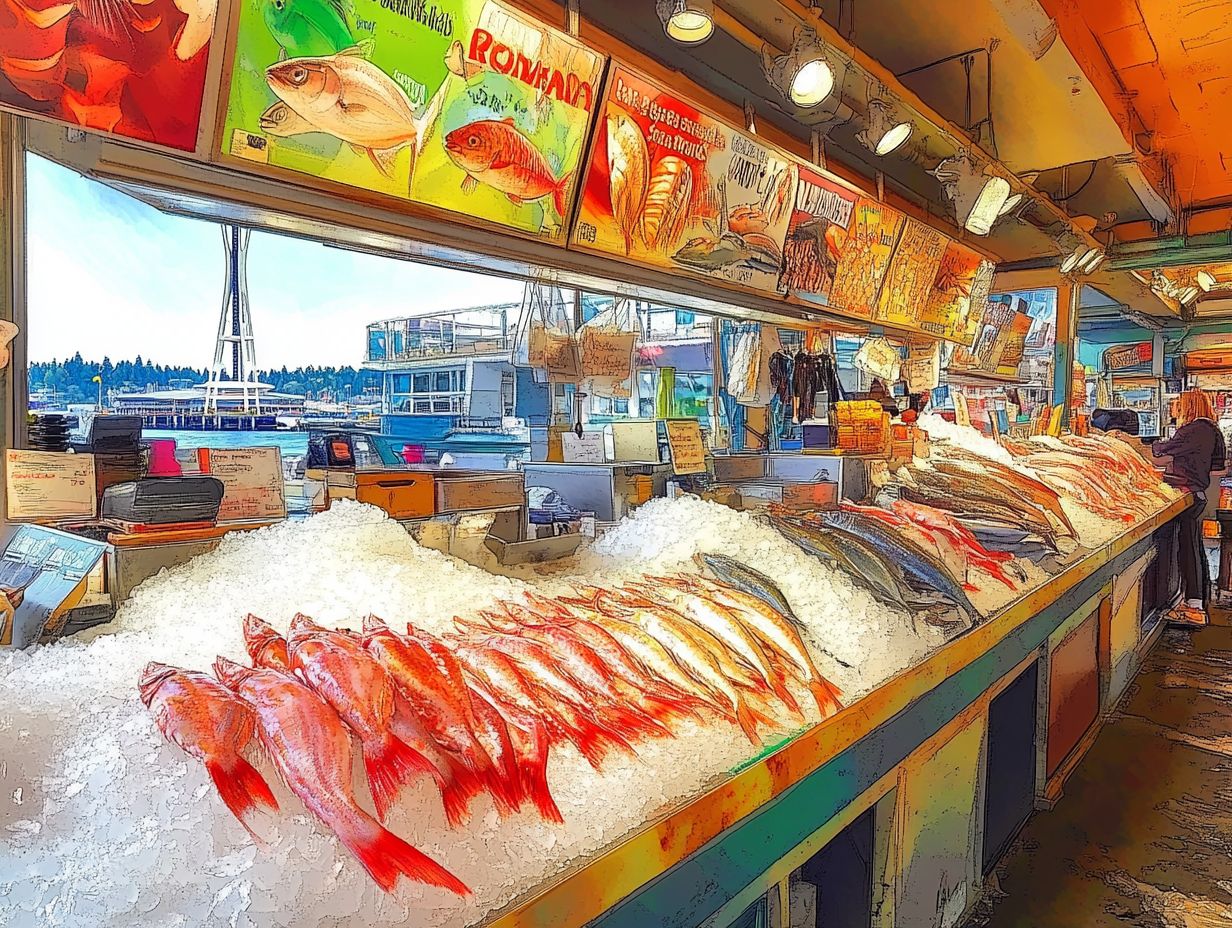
162,458
413,454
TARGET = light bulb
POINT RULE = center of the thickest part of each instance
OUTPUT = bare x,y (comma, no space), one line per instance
812,83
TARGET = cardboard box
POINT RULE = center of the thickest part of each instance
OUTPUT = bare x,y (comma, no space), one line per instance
402,494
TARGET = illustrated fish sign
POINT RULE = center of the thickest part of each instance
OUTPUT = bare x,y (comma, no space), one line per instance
135,70
820,221
468,106
962,282
865,257
672,186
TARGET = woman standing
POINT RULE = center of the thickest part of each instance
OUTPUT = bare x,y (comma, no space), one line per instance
1196,451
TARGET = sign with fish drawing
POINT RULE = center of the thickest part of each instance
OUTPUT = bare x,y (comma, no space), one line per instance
962,281
136,69
464,105
820,221
672,186
864,257
912,271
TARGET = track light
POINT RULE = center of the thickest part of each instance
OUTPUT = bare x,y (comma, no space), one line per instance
804,75
979,196
1188,295
1093,259
1011,203
687,22
1206,280
883,131
1073,250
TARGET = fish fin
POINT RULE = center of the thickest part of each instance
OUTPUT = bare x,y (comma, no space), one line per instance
469,183
383,160
390,764
826,695
515,199
533,771
508,120
386,857
558,193
747,719
358,50
282,53
779,686
241,787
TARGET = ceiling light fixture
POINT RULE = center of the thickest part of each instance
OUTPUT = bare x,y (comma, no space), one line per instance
1206,280
979,196
1189,294
1094,258
1011,203
883,131
1071,248
804,75
688,22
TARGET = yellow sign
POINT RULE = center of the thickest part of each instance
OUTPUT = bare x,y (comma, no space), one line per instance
684,441
962,415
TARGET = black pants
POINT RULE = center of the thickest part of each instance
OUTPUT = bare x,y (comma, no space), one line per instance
1191,555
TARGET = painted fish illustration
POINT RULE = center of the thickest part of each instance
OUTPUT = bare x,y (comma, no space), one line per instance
822,234
212,724
496,153
197,29
312,750
351,98
730,250
281,121
306,28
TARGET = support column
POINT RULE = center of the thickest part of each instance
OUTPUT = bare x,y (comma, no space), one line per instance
13,398
1068,295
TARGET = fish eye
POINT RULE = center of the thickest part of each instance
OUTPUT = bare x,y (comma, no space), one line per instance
472,141
299,75
278,5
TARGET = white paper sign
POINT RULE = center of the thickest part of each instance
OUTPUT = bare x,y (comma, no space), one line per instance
586,448
49,485
636,440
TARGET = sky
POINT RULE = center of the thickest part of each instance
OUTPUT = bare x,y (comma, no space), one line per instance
108,275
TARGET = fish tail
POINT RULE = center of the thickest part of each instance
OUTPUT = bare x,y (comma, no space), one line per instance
668,708
633,722
241,787
534,774
779,686
458,787
559,191
391,763
386,857
747,719
826,695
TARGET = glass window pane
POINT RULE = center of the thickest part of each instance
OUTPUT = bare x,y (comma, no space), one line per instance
440,405
442,382
422,383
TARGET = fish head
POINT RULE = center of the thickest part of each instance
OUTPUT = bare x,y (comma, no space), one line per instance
473,147
230,673
276,13
375,627
301,82
278,118
153,676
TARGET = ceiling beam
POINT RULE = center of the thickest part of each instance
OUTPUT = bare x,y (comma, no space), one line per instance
1173,251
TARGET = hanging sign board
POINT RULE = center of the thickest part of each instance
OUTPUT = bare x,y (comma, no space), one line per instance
635,440
465,105
49,485
912,271
1121,357
684,441
922,369
820,222
962,281
865,257
586,448
252,482
136,70
671,186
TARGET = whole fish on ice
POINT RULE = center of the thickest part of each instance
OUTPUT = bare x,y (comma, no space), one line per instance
212,724
311,749
496,153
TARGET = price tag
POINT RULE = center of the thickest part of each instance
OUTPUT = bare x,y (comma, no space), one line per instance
252,482
586,448
49,485
962,414
684,441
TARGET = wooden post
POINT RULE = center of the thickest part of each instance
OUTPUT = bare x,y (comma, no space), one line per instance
1068,294
13,399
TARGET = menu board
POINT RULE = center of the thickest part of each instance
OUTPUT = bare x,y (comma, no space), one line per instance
465,105
911,274
962,281
684,442
49,485
864,257
819,224
671,186
133,69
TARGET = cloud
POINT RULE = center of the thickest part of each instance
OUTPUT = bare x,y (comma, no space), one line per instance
111,276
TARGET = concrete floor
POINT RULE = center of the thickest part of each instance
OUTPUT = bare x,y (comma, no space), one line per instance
1142,836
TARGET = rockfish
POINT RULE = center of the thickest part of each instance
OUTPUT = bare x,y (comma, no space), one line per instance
312,750
350,98
360,690
266,648
212,724
496,153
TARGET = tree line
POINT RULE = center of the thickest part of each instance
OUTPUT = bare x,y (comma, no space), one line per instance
72,380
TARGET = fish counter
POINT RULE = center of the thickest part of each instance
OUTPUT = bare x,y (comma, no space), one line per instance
324,723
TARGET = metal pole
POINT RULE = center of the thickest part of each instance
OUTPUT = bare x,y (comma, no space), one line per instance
13,380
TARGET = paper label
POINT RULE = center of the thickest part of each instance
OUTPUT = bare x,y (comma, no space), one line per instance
586,448
49,485
252,482
636,440
684,440
962,414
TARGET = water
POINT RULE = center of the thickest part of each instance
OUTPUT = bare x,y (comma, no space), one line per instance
290,443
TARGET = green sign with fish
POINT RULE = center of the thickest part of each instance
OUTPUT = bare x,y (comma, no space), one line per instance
464,105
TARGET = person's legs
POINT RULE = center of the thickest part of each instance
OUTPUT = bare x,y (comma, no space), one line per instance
1191,557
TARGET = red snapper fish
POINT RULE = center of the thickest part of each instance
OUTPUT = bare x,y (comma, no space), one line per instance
266,648
496,153
312,750
212,724
360,690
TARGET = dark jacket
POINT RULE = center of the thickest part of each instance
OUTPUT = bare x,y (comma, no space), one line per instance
1197,450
